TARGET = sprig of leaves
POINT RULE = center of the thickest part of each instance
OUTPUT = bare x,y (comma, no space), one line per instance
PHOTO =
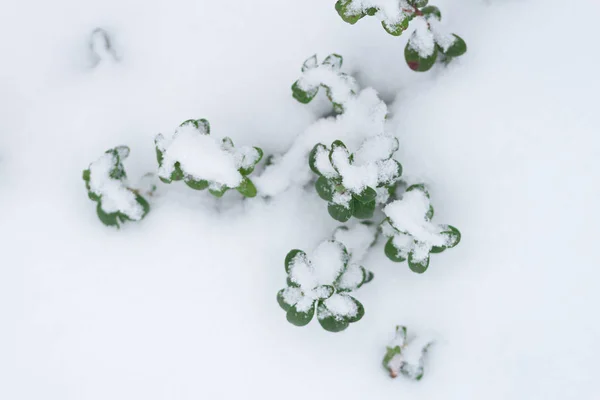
351,183
426,44
106,183
338,86
412,235
321,286
245,158
405,357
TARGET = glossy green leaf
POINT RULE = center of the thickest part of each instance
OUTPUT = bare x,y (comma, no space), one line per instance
324,188
247,188
218,192
397,29
415,61
431,11
196,185
366,196
300,318
457,49
343,8
304,96
312,157
418,266
339,212
363,210
392,252
291,256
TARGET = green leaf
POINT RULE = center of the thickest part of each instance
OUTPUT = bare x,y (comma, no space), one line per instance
144,204
453,236
324,188
312,157
177,173
456,49
366,196
291,256
300,318
415,61
363,210
310,63
304,96
247,188
368,277
339,212
196,184
107,219
431,11
227,144
397,29
389,354
343,8
337,323
218,192
250,169
202,125
335,60
418,266
419,3
392,252
281,300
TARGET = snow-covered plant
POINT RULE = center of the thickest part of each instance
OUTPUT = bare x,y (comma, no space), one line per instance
321,284
428,41
339,87
101,47
203,162
106,182
406,357
353,184
411,233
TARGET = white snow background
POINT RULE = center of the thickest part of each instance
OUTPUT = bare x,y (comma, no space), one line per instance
182,305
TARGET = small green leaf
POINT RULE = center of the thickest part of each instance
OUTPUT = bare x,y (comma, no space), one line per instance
389,354
397,29
335,60
392,252
300,318
367,195
431,11
144,204
304,96
343,7
418,266
291,256
309,63
218,191
339,212
107,219
415,61
363,210
324,188
202,125
196,184
312,157
453,236
177,173
247,188
456,49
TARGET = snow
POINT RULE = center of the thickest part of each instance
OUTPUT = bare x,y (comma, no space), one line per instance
422,39
505,137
